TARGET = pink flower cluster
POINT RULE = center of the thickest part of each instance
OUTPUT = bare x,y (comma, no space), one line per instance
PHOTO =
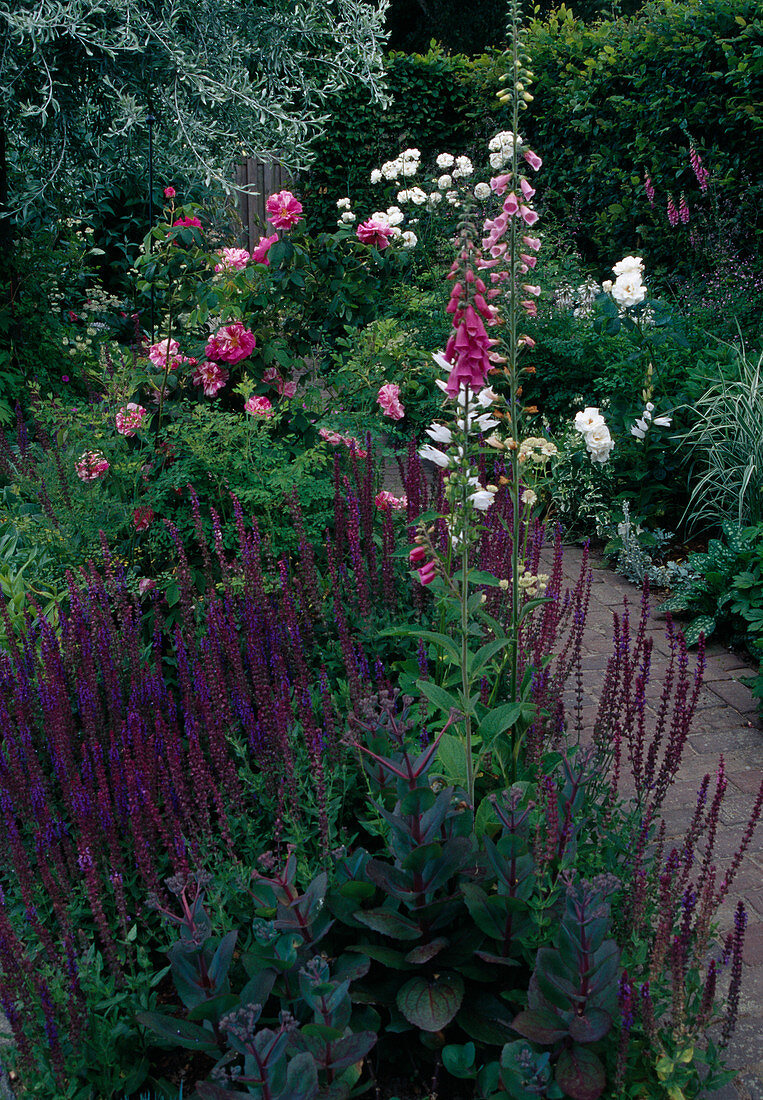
428,571
212,377
91,466
389,400
165,350
701,173
260,254
649,188
129,419
231,344
374,232
334,438
284,389
386,501
231,259
468,348
259,406
143,517
673,216
284,211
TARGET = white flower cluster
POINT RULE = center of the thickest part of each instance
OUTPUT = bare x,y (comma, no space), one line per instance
463,168
406,165
592,426
529,583
414,195
501,149
642,425
536,449
627,289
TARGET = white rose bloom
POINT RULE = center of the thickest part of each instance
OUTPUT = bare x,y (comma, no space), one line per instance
599,444
376,176
607,285
417,196
411,154
628,265
444,160
434,198
463,168
431,454
482,191
403,196
391,170
502,140
452,197
348,216
440,433
410,240
482,499
394,232
395,215
497,160
588,420
410,167
628,289
381,216
343,204
444,182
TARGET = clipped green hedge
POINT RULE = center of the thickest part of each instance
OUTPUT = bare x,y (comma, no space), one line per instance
612,99
438,101
616,98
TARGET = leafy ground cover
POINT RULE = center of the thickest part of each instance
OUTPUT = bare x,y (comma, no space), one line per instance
295,799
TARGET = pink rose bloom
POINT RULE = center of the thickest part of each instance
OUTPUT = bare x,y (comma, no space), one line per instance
331,437
142,518
389,399
387,501
169,192
284,210
374,232
161,352
286,389
231,344
129,419
260,254
354,445
187,223
259,406
211,377
91,466
232,259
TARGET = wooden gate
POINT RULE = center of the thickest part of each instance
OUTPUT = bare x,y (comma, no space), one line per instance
264,178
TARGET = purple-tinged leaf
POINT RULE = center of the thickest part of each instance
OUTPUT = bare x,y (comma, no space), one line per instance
431,1003
218,968
426,951
180,1032
581,1074
591,1026
540,1025
390,924
351,1049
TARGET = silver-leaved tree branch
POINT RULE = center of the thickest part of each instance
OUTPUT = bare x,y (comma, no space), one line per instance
224,79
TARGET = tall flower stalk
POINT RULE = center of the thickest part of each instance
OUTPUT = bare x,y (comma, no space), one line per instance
488,295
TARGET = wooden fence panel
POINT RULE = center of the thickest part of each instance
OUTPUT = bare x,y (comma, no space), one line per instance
261,178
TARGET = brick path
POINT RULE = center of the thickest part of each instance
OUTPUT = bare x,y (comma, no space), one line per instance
726,722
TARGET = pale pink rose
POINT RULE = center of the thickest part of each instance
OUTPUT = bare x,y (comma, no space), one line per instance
260,254
231,344
232,259
129,419
386,501
164,350
284,210
259,406
211,377
331,437
389,399
271,375
91,466
374,232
